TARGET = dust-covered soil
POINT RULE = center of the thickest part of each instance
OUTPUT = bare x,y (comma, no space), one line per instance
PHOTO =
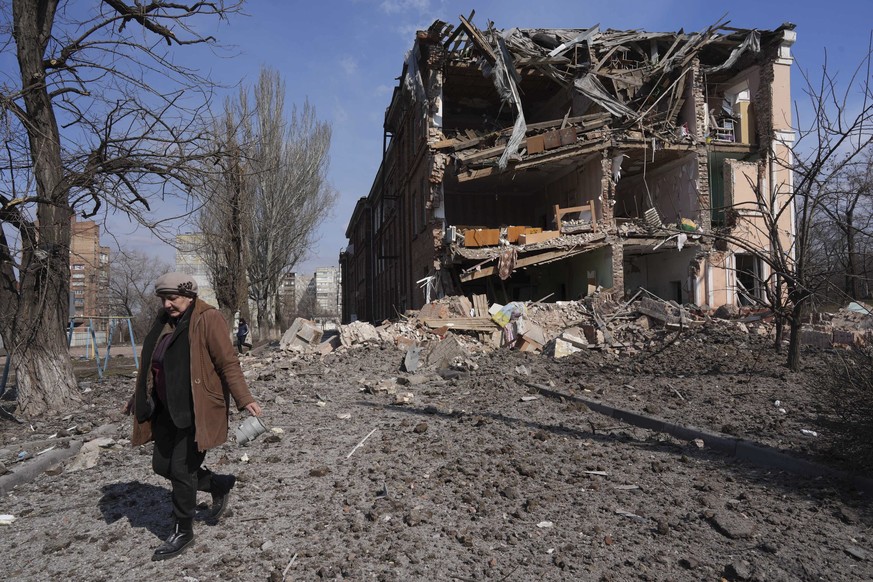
467,473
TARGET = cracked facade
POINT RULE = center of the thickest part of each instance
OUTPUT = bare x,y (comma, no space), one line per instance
549,163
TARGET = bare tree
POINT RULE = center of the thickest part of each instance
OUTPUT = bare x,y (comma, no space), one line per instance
844,226
292,196
226,209
98,115
131,287
265,209
836,136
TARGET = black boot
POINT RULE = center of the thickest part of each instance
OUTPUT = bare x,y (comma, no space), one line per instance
180,539
221,486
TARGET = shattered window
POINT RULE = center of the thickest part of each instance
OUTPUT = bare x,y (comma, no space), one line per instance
716,182
749,272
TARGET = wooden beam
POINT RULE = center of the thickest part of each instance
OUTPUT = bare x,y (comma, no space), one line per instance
562,154
444,144
587,122
457,31
481,154
527,262
479,40
474,174
464,323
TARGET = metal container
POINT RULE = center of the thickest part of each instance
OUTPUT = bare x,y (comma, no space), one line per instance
249,430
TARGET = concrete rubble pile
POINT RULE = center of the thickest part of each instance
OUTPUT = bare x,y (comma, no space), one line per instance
447,335
446,330
850,326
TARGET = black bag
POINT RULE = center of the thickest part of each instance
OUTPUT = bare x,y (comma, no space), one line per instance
148,410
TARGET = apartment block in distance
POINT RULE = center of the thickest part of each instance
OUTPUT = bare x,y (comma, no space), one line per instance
89,271
297,295
316,296
189,259
549,163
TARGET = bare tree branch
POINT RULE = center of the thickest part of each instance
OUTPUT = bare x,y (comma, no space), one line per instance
264,208
100,119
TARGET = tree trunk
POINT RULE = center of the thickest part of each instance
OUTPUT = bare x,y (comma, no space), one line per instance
40,306
45,377
796,324
852,287
779,323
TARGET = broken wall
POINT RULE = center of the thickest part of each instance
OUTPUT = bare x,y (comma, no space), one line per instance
422,250
779,176
688,117
627,91
780,93
740,182
739,100
719,280
564,192
590,184
503,202
666,274
749,225
741,92
780,179
569,279
671,187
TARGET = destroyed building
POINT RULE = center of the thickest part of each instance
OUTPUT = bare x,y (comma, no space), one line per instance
534,163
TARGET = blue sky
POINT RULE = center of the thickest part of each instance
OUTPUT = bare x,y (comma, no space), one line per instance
345,55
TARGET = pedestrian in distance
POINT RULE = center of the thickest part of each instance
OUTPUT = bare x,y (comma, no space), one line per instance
242,331
188,372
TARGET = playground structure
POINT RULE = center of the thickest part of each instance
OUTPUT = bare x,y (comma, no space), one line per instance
87,336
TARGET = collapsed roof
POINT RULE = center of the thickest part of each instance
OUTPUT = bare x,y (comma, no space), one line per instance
509,83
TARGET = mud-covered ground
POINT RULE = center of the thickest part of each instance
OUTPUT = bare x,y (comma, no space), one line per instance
478,477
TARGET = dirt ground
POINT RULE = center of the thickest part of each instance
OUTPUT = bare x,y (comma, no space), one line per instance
477,477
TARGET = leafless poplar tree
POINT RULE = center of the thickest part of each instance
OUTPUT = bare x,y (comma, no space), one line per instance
275,205
292,195
98,118
226,209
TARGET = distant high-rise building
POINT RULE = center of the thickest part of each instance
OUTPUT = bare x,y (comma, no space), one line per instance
314,296
328,285
293,287
297,296
89,271
189,259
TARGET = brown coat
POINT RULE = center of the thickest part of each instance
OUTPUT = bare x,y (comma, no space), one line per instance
215,375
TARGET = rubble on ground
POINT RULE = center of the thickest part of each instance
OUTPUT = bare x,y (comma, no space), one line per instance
504,446
449,328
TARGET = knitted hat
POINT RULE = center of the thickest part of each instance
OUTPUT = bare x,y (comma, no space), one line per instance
176,284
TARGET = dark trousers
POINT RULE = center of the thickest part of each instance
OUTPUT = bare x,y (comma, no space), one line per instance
240,342
176,457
